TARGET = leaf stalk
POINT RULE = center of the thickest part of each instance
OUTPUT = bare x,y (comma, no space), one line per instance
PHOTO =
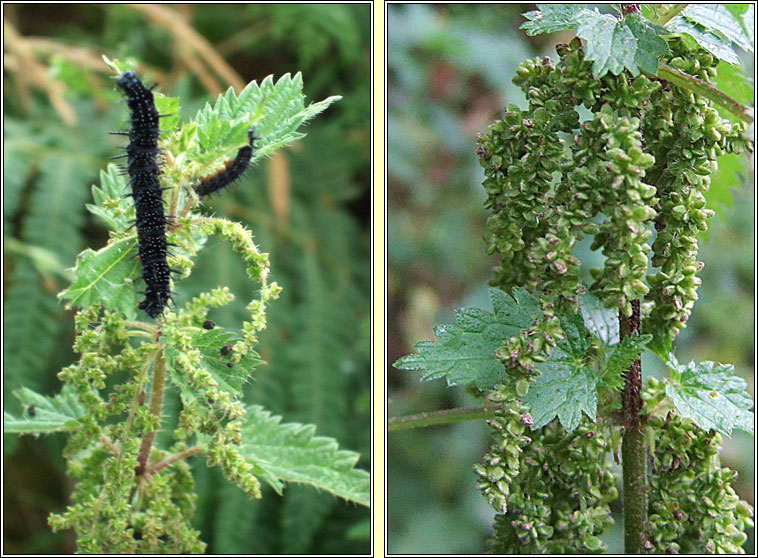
435,418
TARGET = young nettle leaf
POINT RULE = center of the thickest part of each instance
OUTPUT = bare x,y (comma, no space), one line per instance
101,277
229,379
611,46
44,415
464,353
571,376
603,324
626,352
709,394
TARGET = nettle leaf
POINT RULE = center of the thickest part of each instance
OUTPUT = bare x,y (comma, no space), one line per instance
230,379
609,44
209,344
102,277
602,322
569,380
291,453
716,45
660,346
565,389
577,340
626,352
709,394
44,415
464,353
717,18
550,18
650,44
111,192
567,385
632,43
277,109
748,23
731,79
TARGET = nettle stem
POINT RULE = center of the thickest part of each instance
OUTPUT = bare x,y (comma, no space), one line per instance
633,445
156,403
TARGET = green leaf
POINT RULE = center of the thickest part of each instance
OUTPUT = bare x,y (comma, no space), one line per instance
748,23
737,10
168,107
731,79
610,44
550,18
718,47
112,189
230,379
660,346
716,17
649,43
565,389
613,45
602,322
277,110
567,384
50,414
209,343
291,453
710,395
102,277
464,353
730,175
626,352
576,341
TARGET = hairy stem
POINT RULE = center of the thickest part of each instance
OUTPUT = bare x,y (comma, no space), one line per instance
153,468
156,403
434,418
633,445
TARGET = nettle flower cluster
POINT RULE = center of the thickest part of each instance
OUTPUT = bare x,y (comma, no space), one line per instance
551,488
626,160
639,163
693,507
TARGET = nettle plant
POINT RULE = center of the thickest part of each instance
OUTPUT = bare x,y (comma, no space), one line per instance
127,451
620,138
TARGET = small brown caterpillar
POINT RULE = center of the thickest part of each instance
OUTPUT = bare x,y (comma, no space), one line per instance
233,170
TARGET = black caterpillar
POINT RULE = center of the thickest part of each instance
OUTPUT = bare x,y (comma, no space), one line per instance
143,169
233,170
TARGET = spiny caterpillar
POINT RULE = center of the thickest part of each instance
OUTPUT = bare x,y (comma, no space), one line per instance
233,170
144,170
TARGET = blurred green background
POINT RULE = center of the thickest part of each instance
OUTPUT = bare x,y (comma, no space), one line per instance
308,206
449,71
